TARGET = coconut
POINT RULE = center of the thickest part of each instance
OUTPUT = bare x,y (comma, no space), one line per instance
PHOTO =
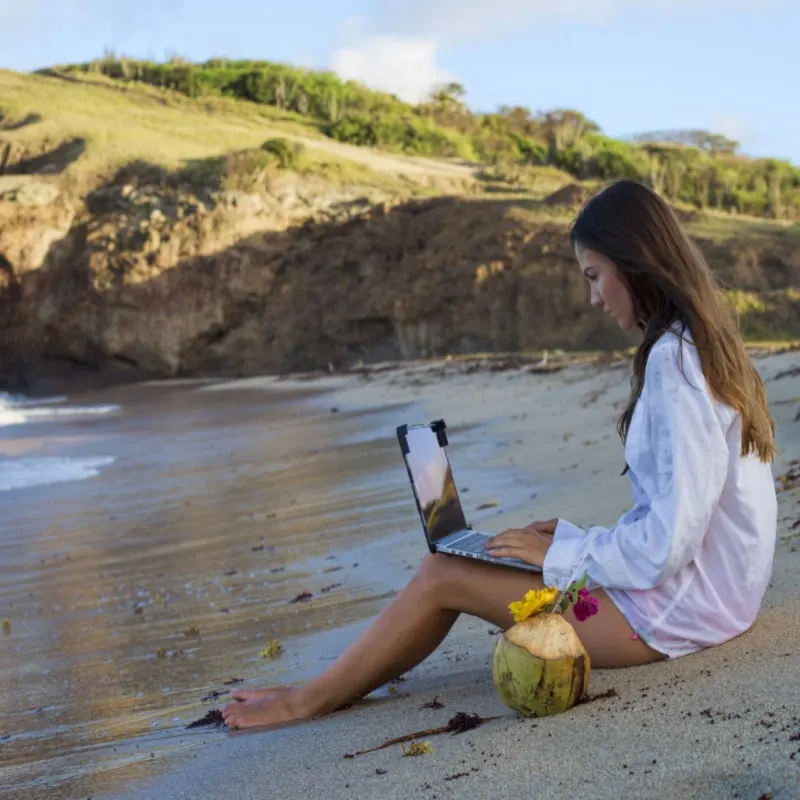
540,667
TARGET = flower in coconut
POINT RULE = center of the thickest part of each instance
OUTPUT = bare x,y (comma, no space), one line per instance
585,606
540,666
535,601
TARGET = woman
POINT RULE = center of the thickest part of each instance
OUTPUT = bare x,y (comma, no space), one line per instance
687,567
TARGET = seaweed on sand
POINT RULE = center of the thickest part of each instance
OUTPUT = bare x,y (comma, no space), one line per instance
460,723
214,717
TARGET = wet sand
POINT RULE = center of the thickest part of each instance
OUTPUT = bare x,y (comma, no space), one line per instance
135,594
724,723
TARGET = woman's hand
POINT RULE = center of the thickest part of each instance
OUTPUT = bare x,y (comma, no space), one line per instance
528,544
546,527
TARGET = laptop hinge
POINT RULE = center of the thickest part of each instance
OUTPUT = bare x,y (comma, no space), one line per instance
438,427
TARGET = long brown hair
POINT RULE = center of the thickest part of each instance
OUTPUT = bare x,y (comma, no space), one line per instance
671,283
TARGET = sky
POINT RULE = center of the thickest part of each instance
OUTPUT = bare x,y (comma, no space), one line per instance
630,65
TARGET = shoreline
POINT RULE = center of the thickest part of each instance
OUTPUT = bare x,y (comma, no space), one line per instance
558,427
77,382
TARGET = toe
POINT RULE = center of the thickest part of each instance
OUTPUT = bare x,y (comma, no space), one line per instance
230,720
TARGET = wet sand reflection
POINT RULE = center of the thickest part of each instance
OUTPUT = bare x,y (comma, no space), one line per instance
134,593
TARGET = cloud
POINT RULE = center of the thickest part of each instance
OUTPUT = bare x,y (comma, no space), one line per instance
735,127
394,46
406,67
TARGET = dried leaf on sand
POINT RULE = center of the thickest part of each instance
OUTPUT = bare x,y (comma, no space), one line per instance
272,650
417,749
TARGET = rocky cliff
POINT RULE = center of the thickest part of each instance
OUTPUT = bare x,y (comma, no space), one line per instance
143,278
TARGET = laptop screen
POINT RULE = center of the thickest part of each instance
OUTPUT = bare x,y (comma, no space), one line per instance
433,483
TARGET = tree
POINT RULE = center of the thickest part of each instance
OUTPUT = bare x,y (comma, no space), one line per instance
775,172
448,96
726,176
563,128
708,141
519,119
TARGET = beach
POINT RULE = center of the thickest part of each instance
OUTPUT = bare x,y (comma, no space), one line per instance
525,444
155,538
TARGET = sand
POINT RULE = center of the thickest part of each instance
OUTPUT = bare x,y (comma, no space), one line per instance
724,723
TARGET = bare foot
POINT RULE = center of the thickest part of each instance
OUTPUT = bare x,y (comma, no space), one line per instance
242,695
273,706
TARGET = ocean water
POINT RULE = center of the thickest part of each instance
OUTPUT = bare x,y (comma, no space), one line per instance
152,539
23,472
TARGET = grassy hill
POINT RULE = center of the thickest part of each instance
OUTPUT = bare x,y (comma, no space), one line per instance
80,126
102,124
699,168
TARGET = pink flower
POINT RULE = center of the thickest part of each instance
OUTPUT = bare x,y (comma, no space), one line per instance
585,606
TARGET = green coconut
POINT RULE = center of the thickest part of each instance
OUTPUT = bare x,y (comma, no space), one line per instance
540,667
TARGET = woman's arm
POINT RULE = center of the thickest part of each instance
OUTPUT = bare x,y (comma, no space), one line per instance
691,455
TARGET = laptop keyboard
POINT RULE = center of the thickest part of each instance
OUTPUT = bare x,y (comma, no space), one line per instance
472,543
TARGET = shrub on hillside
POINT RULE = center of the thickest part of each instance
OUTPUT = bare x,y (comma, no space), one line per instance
614,159
246,170
408,134
288,155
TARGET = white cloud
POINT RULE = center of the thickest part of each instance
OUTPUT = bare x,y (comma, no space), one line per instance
406,67
734,127
394,45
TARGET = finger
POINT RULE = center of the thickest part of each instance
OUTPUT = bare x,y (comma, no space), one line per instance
513,535
500,537
510,531
546,527
508,547
502,552
515,552
529,550
521,535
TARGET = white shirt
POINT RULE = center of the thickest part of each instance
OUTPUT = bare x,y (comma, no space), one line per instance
689,564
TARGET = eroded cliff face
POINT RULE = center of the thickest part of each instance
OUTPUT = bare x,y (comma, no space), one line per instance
142,279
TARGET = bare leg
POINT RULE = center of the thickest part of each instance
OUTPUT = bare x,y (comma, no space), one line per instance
414,625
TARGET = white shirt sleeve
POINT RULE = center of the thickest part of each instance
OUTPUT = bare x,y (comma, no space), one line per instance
691,457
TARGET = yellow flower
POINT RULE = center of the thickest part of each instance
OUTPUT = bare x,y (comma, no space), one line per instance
535,601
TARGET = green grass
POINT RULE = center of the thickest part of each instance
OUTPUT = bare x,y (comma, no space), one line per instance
128,123
720,228
528,182
125,123
254,170
693,173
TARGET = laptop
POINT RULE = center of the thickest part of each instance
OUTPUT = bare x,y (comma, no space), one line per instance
443,519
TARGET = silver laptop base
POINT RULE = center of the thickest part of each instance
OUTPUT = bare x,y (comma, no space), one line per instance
470,544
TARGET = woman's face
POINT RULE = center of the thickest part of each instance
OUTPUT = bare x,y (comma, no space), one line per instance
608,290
